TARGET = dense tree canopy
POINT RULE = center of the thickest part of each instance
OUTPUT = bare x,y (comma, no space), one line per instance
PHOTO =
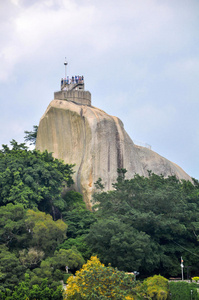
121,245
24,291
165,211
31,186
20,228
11,270
32,178
78,219
145,224
13,232
26,238
45,233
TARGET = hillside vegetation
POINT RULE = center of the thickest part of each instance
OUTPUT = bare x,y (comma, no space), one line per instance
145,224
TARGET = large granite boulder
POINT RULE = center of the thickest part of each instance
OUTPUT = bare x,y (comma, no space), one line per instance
98,145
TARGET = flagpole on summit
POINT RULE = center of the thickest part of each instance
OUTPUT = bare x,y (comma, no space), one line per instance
65,64
182,266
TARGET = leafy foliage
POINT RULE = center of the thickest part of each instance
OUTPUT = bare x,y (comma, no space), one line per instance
24,291
79,243
183,290
157,287
196,278
54,267
32,182
20,228
11,271
144,224
121,245
76,215
164,211
45,233
79,220
31,258
26,237
30,136
95,281
32,178
13,232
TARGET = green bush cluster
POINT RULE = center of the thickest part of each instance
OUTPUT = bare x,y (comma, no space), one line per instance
66,276
24,291
183,291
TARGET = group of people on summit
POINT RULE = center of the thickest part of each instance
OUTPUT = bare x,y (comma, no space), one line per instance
73,80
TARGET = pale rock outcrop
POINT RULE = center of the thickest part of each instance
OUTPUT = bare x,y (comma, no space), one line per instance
98,145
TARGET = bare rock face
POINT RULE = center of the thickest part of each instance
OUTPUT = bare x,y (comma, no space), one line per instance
98,145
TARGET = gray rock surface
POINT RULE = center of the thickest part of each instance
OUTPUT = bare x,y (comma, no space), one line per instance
98,145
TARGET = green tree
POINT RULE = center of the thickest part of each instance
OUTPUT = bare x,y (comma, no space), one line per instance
24,291
62,258
26,237
157,287
20,229
121,245
95,281
45,233
76,215
79,243
11,270
13,232
31,258
79,220
31,136
165,209
32,178
54,267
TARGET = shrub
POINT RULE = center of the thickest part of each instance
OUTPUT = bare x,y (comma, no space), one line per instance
182,290
95,281
66,276
157,287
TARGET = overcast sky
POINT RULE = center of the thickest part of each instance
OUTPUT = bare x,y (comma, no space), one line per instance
140,60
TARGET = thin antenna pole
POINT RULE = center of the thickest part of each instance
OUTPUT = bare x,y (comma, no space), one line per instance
65,64
182,266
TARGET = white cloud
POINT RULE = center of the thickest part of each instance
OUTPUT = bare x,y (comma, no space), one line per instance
37,30
99,27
